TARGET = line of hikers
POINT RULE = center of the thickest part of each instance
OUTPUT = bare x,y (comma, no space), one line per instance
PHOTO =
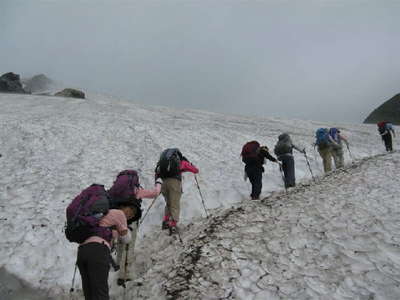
329,143
101,220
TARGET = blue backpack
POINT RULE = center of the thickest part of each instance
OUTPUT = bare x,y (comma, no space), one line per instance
334,133
322,138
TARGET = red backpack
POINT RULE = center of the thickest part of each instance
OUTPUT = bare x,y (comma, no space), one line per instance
250,151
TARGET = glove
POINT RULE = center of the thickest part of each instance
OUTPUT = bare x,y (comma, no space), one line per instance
125,239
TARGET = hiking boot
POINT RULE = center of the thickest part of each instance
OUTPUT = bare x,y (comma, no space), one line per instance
173,230
164,225
122,282
255,198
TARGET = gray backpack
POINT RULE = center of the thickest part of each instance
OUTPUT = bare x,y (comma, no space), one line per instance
282,148
284,145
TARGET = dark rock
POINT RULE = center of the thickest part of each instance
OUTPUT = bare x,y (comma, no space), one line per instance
73,93
388,111
11,83
38,83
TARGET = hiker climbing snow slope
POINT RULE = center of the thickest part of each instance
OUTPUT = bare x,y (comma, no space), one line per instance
387,133
126,189
169,168
253,155
337,147
284,151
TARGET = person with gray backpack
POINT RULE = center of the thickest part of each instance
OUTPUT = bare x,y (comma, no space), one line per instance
284,152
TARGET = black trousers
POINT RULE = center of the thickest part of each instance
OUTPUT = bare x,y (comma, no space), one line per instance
288,170
387,138
255,176
94,264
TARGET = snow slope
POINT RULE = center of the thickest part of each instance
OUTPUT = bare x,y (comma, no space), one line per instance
53,147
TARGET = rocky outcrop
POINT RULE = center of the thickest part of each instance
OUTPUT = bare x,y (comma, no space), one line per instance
388,111
72,93
38,83
11,83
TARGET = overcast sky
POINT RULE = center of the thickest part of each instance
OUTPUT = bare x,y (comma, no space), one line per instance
331,60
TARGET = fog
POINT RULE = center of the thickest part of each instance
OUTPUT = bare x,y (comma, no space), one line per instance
313,59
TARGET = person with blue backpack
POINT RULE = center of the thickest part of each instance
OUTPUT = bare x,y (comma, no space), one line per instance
386,131
324,144
337,147
284,152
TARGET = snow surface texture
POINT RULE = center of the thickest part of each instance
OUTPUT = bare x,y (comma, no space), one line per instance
54,147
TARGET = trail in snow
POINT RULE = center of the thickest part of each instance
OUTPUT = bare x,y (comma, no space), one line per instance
54,147
336,239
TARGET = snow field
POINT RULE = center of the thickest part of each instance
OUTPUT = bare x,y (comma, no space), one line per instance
54,147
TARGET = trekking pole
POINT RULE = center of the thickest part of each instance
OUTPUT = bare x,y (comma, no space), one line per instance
309,167
316,158
351,155
283,177
201,196
125,269
147,211
73,280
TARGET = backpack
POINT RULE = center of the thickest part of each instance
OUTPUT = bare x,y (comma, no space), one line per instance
84,214
322,138
334,133
123,191
169,164
284,145
250,151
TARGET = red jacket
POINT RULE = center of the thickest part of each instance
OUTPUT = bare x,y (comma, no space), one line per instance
188,167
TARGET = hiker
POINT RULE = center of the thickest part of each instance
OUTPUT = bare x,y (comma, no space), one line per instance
126,188
94,254
284,151
337,147
324,142
169,168
253,155
386,130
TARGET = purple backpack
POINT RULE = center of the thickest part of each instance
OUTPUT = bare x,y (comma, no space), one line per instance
123,191
84,214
